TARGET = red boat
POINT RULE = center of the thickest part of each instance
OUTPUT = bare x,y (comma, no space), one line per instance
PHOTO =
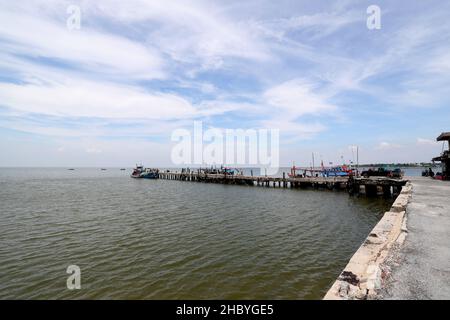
137,172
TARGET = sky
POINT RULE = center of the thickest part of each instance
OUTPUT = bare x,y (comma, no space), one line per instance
112,92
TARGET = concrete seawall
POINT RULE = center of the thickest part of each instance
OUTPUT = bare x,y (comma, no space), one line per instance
363,276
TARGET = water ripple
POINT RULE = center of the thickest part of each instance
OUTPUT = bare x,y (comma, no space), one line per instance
136,239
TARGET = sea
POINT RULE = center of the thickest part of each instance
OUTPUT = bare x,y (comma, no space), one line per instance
163,239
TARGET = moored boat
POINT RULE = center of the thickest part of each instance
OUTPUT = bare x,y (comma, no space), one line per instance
137,172
145,173
150,174
336,171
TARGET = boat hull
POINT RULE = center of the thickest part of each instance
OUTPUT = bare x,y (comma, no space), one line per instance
149,176
145,175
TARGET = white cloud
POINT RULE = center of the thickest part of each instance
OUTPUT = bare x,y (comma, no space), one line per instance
93,150
190,32
88,99
426,142
296,98
440,63
387,146
293,131
94,51
207,58
316,26
102,128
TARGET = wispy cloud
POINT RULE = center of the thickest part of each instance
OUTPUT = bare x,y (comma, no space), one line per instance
387,146
296,98
426,142
36,37
142,68
94,100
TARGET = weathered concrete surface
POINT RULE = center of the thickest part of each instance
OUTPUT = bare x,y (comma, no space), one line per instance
364,275
421,267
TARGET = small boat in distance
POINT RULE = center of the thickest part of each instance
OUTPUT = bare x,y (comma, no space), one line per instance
71,169
103,169
123,169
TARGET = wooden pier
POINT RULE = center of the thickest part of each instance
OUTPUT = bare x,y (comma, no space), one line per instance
367,186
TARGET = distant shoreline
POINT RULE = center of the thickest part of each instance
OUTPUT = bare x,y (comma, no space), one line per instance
398,165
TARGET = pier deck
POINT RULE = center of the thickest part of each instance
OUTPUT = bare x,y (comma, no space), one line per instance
367,186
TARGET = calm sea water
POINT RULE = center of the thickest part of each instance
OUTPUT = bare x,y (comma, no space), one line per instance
157,239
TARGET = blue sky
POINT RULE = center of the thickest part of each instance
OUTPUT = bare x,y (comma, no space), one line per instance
112,92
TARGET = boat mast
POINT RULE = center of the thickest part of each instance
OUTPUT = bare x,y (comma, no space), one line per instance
357,160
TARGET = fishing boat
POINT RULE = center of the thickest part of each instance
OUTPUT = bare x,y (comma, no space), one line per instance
137,171
150,174
336,171
304,172
222,170
145,173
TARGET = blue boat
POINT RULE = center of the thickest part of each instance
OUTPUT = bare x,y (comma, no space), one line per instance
339,171
150,174
145,173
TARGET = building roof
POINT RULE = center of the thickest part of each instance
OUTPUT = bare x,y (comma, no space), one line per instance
445,136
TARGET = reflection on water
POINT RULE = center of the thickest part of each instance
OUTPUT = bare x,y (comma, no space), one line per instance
156,239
